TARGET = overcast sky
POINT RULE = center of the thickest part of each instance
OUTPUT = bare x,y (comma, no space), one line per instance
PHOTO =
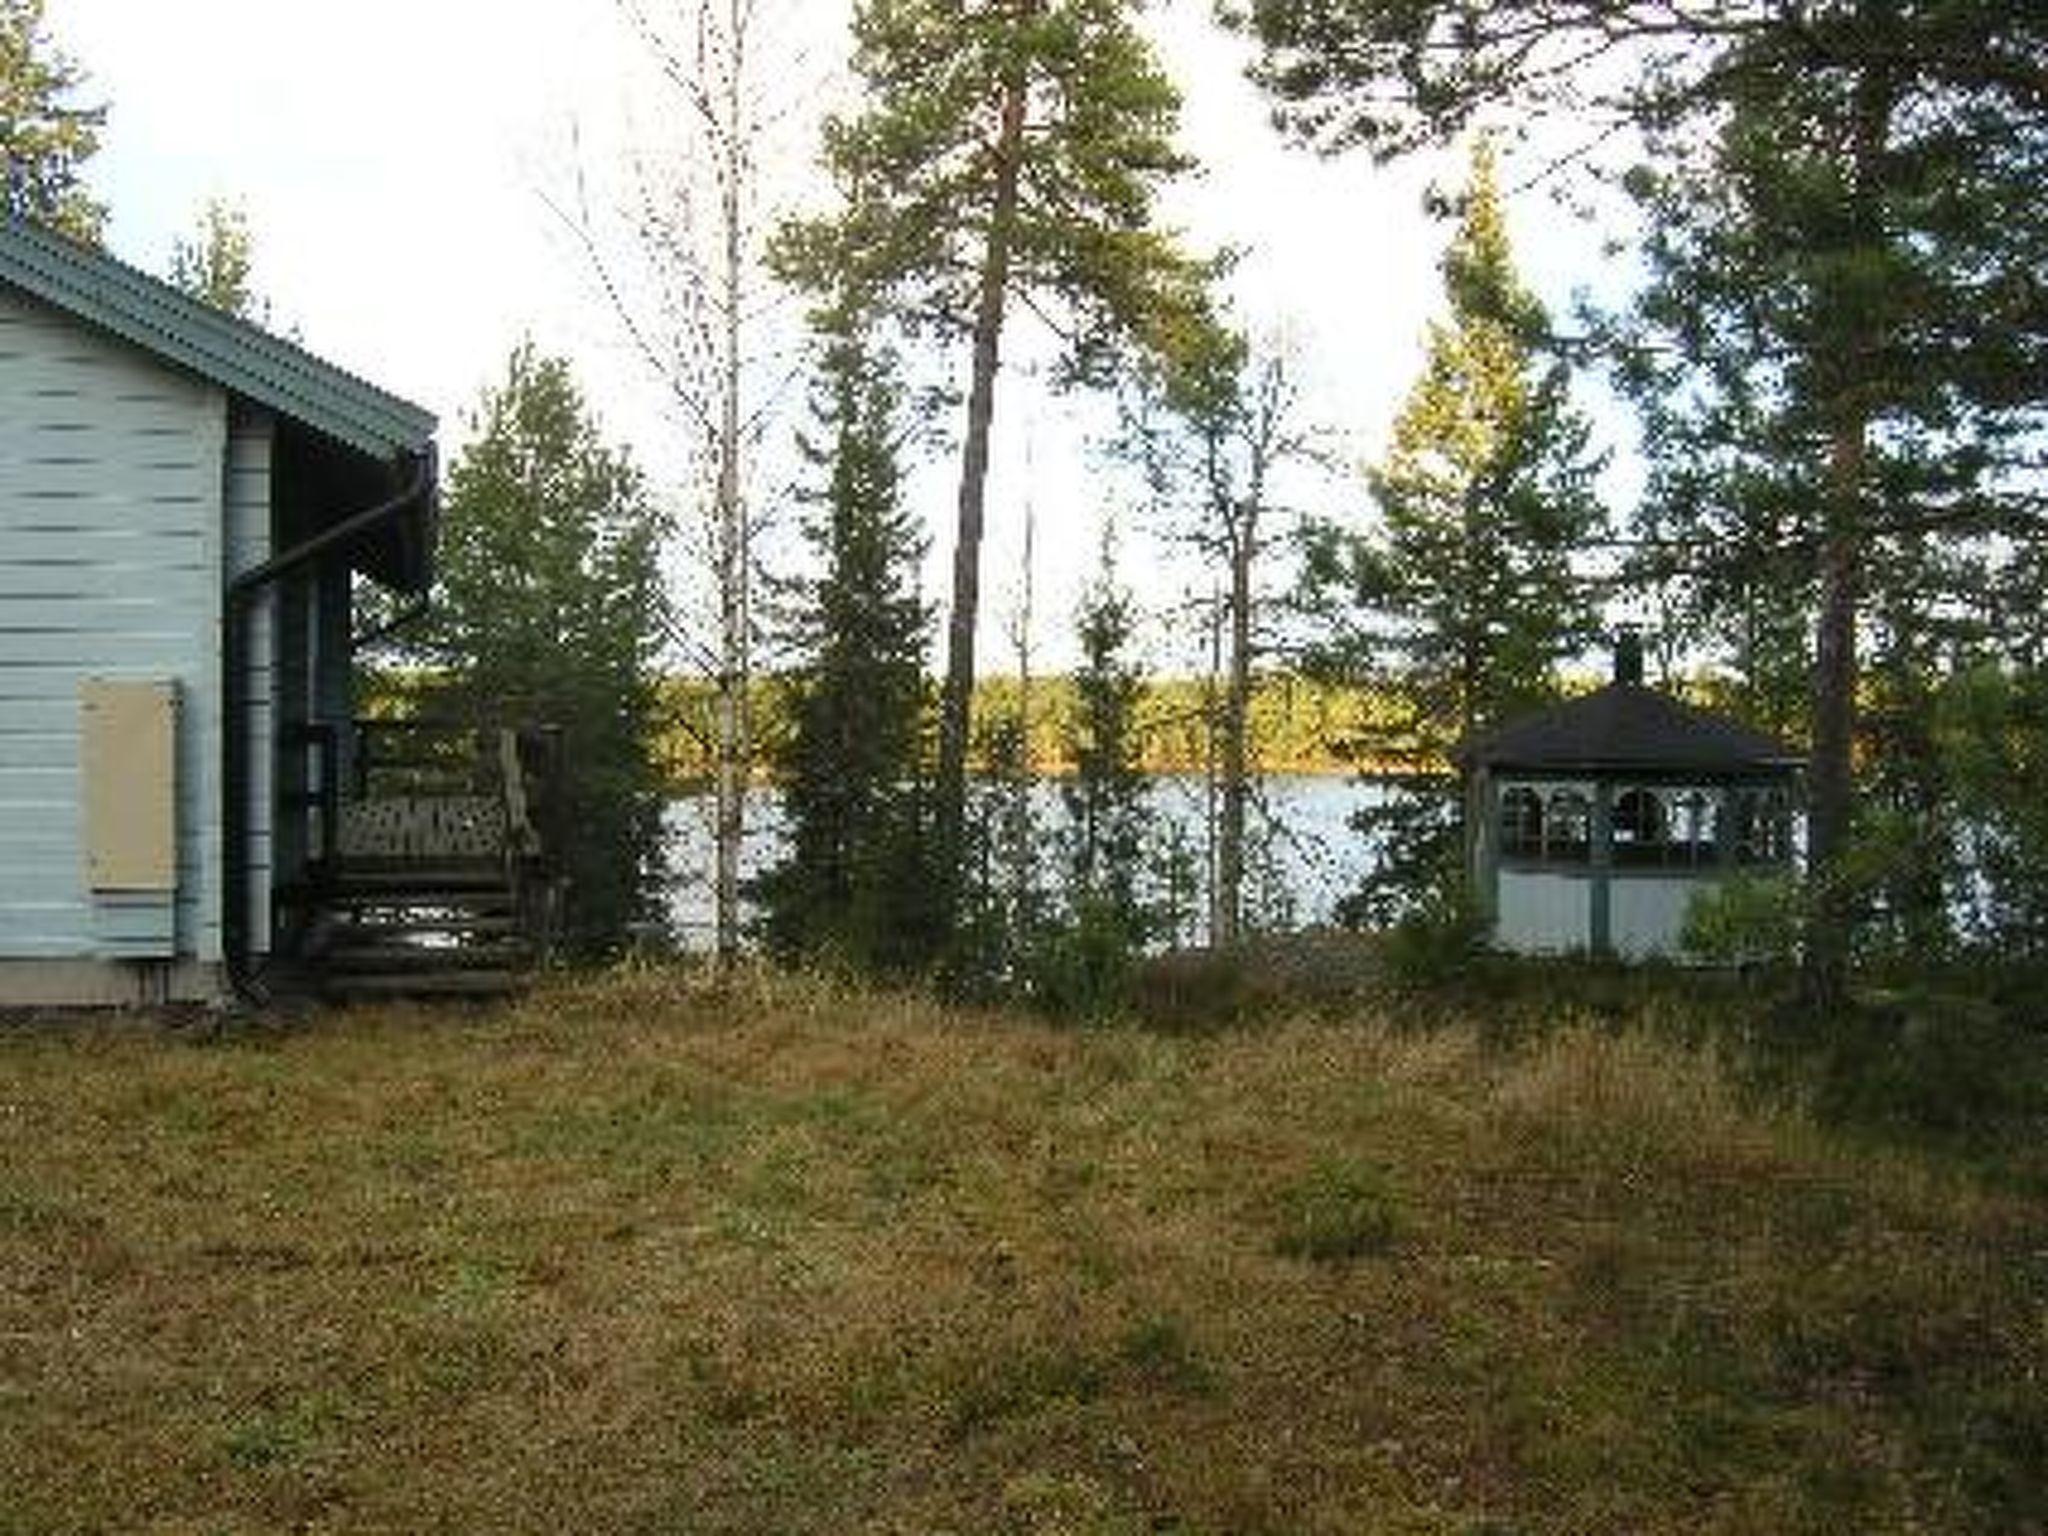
398,160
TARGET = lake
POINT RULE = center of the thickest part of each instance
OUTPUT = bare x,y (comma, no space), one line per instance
1312,859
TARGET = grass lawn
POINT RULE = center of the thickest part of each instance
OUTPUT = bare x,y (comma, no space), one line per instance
637,1255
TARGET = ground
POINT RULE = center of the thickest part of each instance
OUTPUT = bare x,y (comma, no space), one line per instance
647,1254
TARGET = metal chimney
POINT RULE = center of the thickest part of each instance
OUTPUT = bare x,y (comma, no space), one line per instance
1628,656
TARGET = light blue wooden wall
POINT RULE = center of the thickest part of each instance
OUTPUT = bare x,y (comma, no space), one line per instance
247,523
124,497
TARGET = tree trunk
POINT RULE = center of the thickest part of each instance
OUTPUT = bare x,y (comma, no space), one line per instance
1024,856
1226,925
957,699
1831,779
734,557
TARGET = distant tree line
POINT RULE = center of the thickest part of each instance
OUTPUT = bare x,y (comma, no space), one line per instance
1295,723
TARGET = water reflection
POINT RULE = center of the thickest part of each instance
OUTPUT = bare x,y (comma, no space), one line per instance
1310,858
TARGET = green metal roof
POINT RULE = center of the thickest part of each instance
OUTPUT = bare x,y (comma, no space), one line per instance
243,359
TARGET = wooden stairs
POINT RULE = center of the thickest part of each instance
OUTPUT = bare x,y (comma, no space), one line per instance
450,931
433,887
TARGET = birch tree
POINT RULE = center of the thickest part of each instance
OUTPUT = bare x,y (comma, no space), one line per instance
686,279
217,263
1234,429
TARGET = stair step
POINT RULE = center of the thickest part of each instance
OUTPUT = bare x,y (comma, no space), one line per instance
471,899
412,958
448,927
492,983
430,877
471,924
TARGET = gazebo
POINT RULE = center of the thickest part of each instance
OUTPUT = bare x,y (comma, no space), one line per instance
1592,825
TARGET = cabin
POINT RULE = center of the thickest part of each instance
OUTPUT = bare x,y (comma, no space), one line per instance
191,510
1592,825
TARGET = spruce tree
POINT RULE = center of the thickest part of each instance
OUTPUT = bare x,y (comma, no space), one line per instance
1002,911
1460,606
1108,797
551,611
856,885
1108,843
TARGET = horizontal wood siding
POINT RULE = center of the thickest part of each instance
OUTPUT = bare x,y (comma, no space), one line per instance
111,475
247,521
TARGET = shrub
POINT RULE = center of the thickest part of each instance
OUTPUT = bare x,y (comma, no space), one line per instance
1949,1067
1751,920
1082,969
1201,989
1438,942
1338,1211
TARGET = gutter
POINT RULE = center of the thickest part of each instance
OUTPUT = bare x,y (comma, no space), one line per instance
242,591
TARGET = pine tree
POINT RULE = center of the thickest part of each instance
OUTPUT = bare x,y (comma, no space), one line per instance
1844,375
44,139
1004,151
1993,726
551,611
1463,603
856,884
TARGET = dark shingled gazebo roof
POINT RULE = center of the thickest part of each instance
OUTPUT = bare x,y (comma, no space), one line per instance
1628,727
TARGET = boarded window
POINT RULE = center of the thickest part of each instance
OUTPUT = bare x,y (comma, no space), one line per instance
128,761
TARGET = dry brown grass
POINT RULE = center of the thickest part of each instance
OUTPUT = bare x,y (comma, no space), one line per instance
646,1255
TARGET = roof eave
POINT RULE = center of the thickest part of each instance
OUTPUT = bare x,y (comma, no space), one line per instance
243,359
1615,766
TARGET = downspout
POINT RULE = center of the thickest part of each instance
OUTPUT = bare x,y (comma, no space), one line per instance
241,593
